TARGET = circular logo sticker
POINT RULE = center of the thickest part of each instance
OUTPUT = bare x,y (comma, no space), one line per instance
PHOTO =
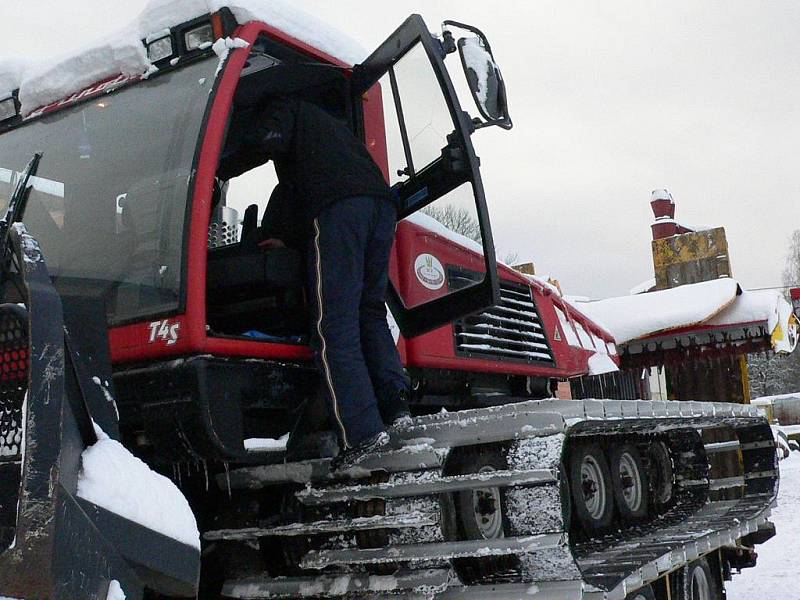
429,271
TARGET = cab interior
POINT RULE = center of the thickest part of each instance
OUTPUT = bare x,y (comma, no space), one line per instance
253,292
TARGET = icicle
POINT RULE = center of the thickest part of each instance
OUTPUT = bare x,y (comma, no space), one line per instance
228,479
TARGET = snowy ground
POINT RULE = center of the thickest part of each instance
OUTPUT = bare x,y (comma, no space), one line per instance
776,575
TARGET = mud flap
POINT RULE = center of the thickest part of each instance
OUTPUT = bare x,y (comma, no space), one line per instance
55,545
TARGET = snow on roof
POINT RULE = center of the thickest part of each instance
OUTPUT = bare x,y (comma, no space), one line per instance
643,287
631,317
764,305
122,52
766,400
717,303
691,228
661,194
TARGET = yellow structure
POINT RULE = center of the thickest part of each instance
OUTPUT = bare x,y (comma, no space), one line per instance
691,258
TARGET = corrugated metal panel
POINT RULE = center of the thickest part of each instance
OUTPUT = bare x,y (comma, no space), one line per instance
511,330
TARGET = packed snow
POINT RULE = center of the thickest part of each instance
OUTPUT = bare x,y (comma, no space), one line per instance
114,479
775,575
266,444
115,591
631,317
122,52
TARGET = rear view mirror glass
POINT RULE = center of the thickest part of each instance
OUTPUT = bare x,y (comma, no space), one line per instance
483,77
481,72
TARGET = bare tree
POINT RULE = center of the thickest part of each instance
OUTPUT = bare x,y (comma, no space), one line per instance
455,218
770,374
791,272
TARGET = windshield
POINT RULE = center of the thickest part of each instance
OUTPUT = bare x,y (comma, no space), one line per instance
109,200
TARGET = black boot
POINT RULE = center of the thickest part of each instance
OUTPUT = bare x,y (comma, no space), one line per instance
396,413
355,455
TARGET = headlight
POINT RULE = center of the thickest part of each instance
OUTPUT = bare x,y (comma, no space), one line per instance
199,37
8,108
159,49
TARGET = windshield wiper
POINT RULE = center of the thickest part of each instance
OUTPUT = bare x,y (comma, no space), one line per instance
14,213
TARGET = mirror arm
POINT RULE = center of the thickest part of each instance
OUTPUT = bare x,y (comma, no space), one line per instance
469,28
448,42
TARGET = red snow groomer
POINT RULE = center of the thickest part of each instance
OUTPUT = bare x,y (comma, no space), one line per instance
138,305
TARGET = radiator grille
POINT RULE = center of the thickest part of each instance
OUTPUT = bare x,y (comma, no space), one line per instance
511,330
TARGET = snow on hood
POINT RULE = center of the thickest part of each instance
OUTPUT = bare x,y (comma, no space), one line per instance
631,317
600,363
122,52
428,222
113,478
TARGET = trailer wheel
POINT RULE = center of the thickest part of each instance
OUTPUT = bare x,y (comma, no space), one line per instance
478,514
645,593
696,581
629,482
661,475
590,483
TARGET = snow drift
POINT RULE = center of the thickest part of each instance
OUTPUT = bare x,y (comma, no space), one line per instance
116,480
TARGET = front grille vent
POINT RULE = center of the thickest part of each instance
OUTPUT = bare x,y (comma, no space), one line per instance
511,330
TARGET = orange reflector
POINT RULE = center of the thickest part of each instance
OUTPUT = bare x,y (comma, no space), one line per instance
216,25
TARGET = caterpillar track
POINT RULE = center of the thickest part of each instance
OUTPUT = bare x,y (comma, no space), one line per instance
481,504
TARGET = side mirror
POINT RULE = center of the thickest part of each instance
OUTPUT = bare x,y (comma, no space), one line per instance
483,77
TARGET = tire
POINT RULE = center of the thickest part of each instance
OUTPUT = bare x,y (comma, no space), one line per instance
478,514
697,581
645,593
661,476
629,482
590,485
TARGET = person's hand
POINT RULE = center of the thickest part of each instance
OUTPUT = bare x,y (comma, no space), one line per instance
271,243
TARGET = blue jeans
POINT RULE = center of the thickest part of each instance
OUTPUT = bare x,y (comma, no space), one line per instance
348,263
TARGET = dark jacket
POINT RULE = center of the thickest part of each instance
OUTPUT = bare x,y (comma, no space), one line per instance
316,156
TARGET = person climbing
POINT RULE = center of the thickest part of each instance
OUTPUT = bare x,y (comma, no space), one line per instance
347,214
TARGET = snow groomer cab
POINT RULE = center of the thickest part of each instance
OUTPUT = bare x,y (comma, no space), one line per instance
207,331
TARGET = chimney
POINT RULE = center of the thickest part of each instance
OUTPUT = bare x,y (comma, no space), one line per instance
664,211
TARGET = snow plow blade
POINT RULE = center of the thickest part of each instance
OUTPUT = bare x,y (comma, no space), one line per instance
724,483
54,544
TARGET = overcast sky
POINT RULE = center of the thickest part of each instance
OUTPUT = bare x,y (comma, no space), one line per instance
609,100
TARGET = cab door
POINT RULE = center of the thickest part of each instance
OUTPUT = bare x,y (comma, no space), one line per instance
435,172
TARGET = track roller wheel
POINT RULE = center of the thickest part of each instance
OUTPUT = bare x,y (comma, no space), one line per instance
661,475
697,581
590,483
478,514
645,593
629,482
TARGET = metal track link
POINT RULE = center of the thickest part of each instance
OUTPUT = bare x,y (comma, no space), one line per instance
427,552
438,485
412,519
